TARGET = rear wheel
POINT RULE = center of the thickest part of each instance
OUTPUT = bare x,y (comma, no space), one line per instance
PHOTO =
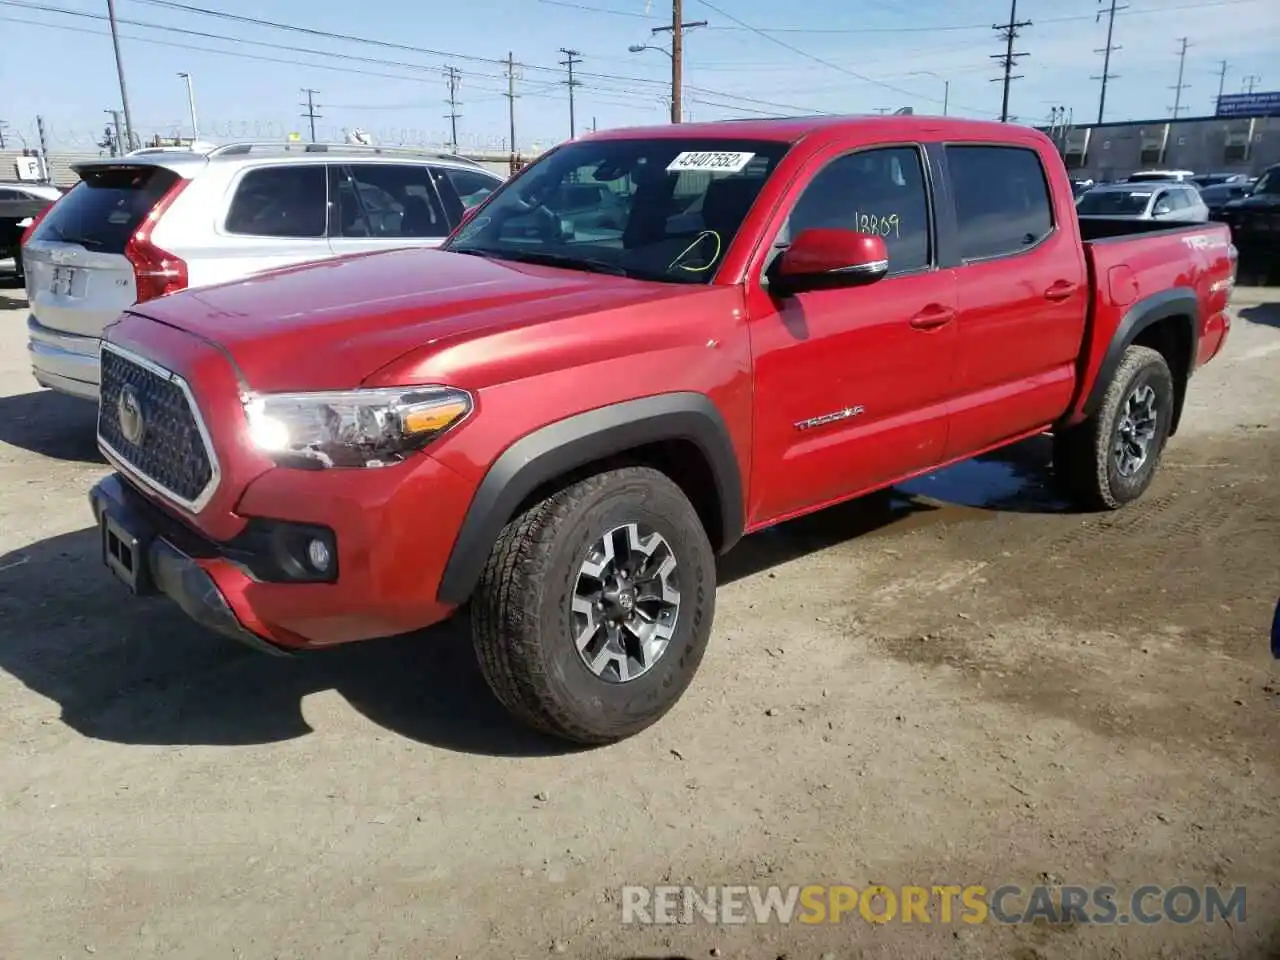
1111,458
595,607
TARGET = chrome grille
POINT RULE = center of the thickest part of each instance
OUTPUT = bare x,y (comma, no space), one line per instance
149,424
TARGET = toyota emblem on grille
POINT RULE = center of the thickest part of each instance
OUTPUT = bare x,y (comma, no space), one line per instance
129,409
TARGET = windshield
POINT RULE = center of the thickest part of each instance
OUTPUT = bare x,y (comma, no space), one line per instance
1114,203
653,209
1268,184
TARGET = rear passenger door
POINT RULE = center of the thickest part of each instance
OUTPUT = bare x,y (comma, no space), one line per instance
1022,295
381,206
276,218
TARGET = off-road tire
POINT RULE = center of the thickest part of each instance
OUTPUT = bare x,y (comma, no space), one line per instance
1083,460
520,619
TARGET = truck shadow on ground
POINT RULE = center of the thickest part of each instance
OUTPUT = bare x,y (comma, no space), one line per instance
8,302
138,672
1265,314
52,425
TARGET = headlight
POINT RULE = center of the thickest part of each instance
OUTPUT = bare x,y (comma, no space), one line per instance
354,428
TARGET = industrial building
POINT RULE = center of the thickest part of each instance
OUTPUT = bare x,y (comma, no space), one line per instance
1218,144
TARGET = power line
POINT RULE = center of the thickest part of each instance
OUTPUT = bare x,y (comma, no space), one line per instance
1139,12
826,63
571,60
1177,90
1009,32
1106,52
311,110
451,73
321,53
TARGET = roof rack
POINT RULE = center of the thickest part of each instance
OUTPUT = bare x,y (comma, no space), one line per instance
240,147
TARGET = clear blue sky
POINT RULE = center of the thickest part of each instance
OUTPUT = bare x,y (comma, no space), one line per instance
755,57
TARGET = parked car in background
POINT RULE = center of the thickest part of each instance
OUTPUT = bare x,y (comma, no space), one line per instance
1147,176
160,220
1216,197
1171,202
1219,179
1255,219
20,203
558,431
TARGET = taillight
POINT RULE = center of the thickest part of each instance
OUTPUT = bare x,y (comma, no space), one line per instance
35,222
156,272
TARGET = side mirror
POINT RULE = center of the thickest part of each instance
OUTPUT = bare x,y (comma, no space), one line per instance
820,259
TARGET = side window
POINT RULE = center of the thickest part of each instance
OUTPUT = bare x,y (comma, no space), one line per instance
1002,200
280,202
389,200
472,187
10,194
1162,202
874,191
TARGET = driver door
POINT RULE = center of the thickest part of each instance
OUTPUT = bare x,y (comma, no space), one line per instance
851,384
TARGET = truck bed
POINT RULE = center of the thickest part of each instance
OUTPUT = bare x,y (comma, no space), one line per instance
1190,267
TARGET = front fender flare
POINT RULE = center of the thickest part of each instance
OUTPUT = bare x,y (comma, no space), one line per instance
558,448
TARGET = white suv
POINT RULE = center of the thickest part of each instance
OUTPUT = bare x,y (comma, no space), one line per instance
152,223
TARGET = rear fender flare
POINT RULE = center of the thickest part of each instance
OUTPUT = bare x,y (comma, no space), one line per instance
1179,303
566,445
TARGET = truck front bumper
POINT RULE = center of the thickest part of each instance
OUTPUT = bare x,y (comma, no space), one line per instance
137,551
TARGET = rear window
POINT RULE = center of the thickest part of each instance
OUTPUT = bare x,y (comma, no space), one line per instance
104,209
1114,203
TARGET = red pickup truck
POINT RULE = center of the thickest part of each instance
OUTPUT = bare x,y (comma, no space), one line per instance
559,419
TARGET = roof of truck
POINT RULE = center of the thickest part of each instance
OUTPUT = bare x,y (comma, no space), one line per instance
791,129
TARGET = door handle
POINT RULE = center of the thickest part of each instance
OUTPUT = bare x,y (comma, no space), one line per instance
932,317
1060,291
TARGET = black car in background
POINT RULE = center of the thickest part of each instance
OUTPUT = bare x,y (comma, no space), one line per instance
1217,196
1255,226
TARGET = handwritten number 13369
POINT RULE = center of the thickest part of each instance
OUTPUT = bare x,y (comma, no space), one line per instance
877,226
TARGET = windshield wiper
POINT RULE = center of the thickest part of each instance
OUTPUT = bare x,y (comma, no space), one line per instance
549,259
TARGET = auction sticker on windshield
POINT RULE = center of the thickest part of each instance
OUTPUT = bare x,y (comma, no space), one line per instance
709,161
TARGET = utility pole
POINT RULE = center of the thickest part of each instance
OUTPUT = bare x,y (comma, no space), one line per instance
1008,32
3,124
1106,53
1222,81
124,93
1249,82
1177,91
593,124
44,149
454,77
677,29
311,110
571,58
511,96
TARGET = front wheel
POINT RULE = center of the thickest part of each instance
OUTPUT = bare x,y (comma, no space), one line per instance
595,607
1110,459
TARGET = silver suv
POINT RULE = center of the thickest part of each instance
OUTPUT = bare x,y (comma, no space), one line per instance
155,222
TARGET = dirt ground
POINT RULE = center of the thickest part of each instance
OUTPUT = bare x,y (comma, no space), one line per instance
959,682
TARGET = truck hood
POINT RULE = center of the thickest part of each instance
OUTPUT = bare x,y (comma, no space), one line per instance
1265,201
329,325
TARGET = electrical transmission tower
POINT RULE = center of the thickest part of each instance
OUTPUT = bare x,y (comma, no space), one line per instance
1249,82
571,60
311,114
454,78
1177,90
1106,52
1008,32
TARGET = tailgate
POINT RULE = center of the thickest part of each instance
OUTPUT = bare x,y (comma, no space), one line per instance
78,276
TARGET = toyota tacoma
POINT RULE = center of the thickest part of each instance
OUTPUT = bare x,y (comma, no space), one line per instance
558,420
